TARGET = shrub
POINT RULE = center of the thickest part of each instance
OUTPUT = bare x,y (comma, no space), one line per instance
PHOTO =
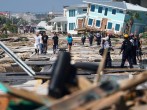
144,35
3,36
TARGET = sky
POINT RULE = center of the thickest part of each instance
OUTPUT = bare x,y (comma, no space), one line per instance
36,5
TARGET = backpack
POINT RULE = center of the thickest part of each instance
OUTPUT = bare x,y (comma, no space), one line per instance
101,51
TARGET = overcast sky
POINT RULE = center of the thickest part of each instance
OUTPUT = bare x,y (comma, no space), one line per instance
35,5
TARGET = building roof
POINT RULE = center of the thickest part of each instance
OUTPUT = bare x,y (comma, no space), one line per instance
59,19
119,5
135,7
42,23
77,6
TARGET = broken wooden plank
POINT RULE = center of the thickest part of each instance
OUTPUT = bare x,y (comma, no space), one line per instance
101,67
76,99
4,102
40,63
42,100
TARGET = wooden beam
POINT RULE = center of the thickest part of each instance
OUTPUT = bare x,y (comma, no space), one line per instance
42,100
101,67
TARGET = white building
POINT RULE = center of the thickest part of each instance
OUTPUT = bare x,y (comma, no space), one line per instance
59,24
45,25
71,13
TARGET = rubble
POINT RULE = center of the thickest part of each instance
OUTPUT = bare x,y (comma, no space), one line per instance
83,81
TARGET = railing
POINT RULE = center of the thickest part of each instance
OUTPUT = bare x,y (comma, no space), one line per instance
25,67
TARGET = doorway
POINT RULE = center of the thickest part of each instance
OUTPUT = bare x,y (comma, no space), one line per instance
104,24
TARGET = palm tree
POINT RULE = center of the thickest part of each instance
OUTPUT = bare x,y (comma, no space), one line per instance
129,23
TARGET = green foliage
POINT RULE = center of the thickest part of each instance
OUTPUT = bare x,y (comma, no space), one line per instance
3,36
129,23
7,25
21,22
144,35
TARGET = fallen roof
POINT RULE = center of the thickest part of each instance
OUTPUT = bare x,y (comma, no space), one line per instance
119,5
59,19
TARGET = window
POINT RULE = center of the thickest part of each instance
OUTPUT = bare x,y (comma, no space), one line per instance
106,11
85,10
71,13
117,27
90,21
121,11
98,23
114,11
109,25
100,9
71,26
92,8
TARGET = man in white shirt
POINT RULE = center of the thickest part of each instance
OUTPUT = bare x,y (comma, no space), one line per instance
106,44
37,43
41,44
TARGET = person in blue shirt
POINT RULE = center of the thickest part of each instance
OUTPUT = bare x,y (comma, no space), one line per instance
69,41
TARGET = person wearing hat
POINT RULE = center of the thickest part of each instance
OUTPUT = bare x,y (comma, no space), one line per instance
126,51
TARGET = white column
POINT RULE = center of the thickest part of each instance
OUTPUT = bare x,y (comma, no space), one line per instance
57,27
61,26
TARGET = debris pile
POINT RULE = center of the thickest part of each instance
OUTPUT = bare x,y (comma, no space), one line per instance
68,91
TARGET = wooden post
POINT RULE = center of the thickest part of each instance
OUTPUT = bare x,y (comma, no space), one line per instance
101,67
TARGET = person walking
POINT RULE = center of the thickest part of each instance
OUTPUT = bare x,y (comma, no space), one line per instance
98,38
126,49
139,49
134,49
69,41
106,44
91,37
41,44
37,43
55,42
83,38
45,42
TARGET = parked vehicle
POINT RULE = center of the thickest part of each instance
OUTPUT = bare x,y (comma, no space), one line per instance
40,29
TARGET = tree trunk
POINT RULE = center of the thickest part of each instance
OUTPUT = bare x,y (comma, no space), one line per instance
131,22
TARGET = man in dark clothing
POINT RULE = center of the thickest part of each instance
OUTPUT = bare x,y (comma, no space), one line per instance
139,51
98,38
135,47
91,38
55,43
45,42
126,49
83,38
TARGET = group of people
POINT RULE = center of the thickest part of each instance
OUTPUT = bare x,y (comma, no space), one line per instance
130,49
41,42
92,36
